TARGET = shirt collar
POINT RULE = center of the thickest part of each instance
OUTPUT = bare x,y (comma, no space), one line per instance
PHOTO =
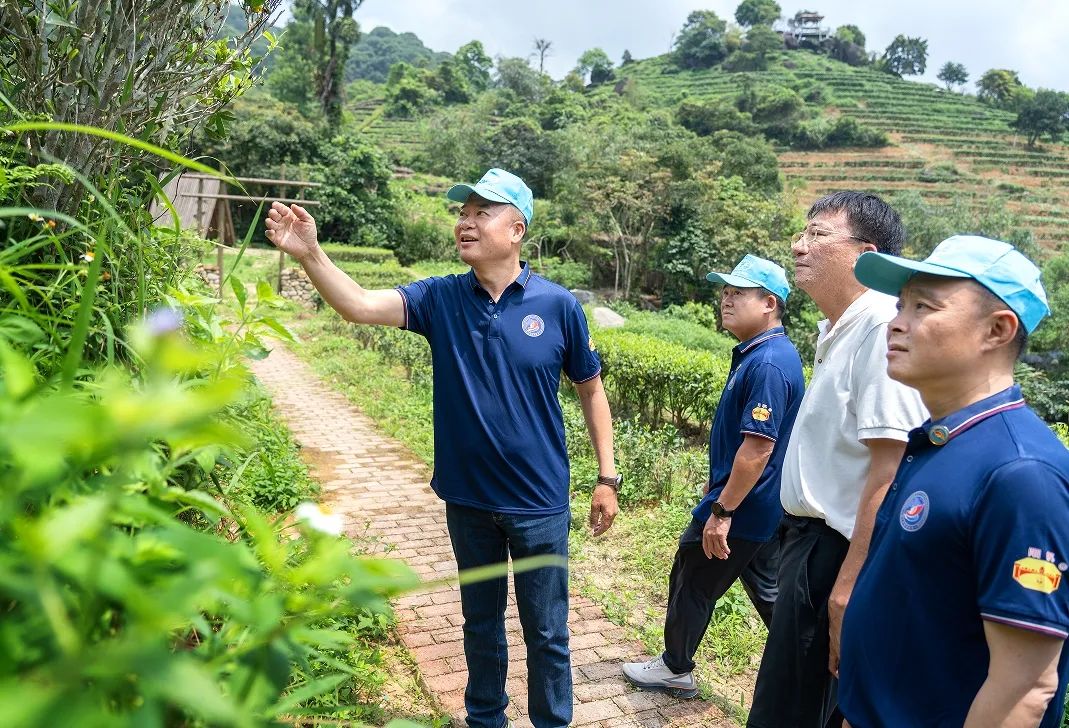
861,303
521,279
744,346
945,429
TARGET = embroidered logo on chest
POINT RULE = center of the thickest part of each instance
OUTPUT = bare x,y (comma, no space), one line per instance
533,325
914,511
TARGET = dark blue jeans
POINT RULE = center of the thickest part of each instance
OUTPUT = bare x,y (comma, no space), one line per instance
483,537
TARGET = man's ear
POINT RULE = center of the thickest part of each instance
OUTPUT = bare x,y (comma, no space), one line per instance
1002,326
519,229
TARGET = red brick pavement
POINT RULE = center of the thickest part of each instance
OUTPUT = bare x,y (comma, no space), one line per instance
382,490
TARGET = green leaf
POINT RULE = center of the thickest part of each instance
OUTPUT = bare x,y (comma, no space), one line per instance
306,692
264,291
19,373
194,688
200,500
239,291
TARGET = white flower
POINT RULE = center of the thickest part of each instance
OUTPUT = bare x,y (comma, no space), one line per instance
88,256
319,517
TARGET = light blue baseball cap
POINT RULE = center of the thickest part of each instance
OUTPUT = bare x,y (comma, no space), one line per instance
997,266
754,272
497,185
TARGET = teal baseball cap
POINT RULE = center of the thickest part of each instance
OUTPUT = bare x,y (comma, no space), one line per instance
754,272
497,185
997,266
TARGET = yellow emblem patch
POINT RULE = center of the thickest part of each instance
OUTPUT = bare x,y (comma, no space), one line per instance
1037,575
590,343
761,413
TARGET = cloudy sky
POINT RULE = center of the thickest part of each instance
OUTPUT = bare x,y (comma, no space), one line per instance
1026,35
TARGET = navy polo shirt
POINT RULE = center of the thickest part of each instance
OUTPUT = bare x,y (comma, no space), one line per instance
973,529
498,426
761,397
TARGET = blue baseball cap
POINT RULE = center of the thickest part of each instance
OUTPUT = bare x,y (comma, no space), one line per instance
754,272
497,185
997,266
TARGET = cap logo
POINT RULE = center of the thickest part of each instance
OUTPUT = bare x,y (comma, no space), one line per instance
533,326
914,512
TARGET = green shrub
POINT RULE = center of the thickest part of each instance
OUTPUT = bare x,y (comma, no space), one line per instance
134,593
374,276
943,172
339,252
657,464
425,229
567,273
274,478
649,377
699,313
680,331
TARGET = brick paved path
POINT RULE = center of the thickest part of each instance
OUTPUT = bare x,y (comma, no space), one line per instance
382,490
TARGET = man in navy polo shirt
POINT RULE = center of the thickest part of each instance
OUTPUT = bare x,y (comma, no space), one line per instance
732,531
959,615
500,338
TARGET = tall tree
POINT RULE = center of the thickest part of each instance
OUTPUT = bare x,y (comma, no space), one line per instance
700,43
542,49
1001,88
906,56
596,65
335,31
851,34
751,13
473,62
953,74
1046,113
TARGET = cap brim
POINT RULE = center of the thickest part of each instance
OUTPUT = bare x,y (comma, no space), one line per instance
889,273
461,193
728,279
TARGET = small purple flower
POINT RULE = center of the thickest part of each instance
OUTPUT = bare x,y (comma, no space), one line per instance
163,321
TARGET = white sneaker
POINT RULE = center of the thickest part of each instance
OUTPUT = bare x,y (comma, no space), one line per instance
653,675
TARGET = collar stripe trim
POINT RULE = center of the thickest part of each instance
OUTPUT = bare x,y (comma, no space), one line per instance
761,341
981,416
1031,626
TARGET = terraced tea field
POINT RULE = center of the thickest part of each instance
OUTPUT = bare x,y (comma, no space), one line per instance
944,145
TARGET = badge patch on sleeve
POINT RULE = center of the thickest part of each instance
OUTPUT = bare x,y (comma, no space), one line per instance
1038,574
761,412
590,343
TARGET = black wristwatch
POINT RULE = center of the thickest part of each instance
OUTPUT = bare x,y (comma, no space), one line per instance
720,512
613,481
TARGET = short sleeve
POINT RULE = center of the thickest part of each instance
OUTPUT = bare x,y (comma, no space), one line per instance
1020,545
767,398
581,360
419,299
885,409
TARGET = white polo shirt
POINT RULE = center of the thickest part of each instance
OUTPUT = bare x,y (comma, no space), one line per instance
850,399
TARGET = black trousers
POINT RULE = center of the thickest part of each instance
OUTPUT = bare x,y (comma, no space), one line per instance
794,687
697,582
